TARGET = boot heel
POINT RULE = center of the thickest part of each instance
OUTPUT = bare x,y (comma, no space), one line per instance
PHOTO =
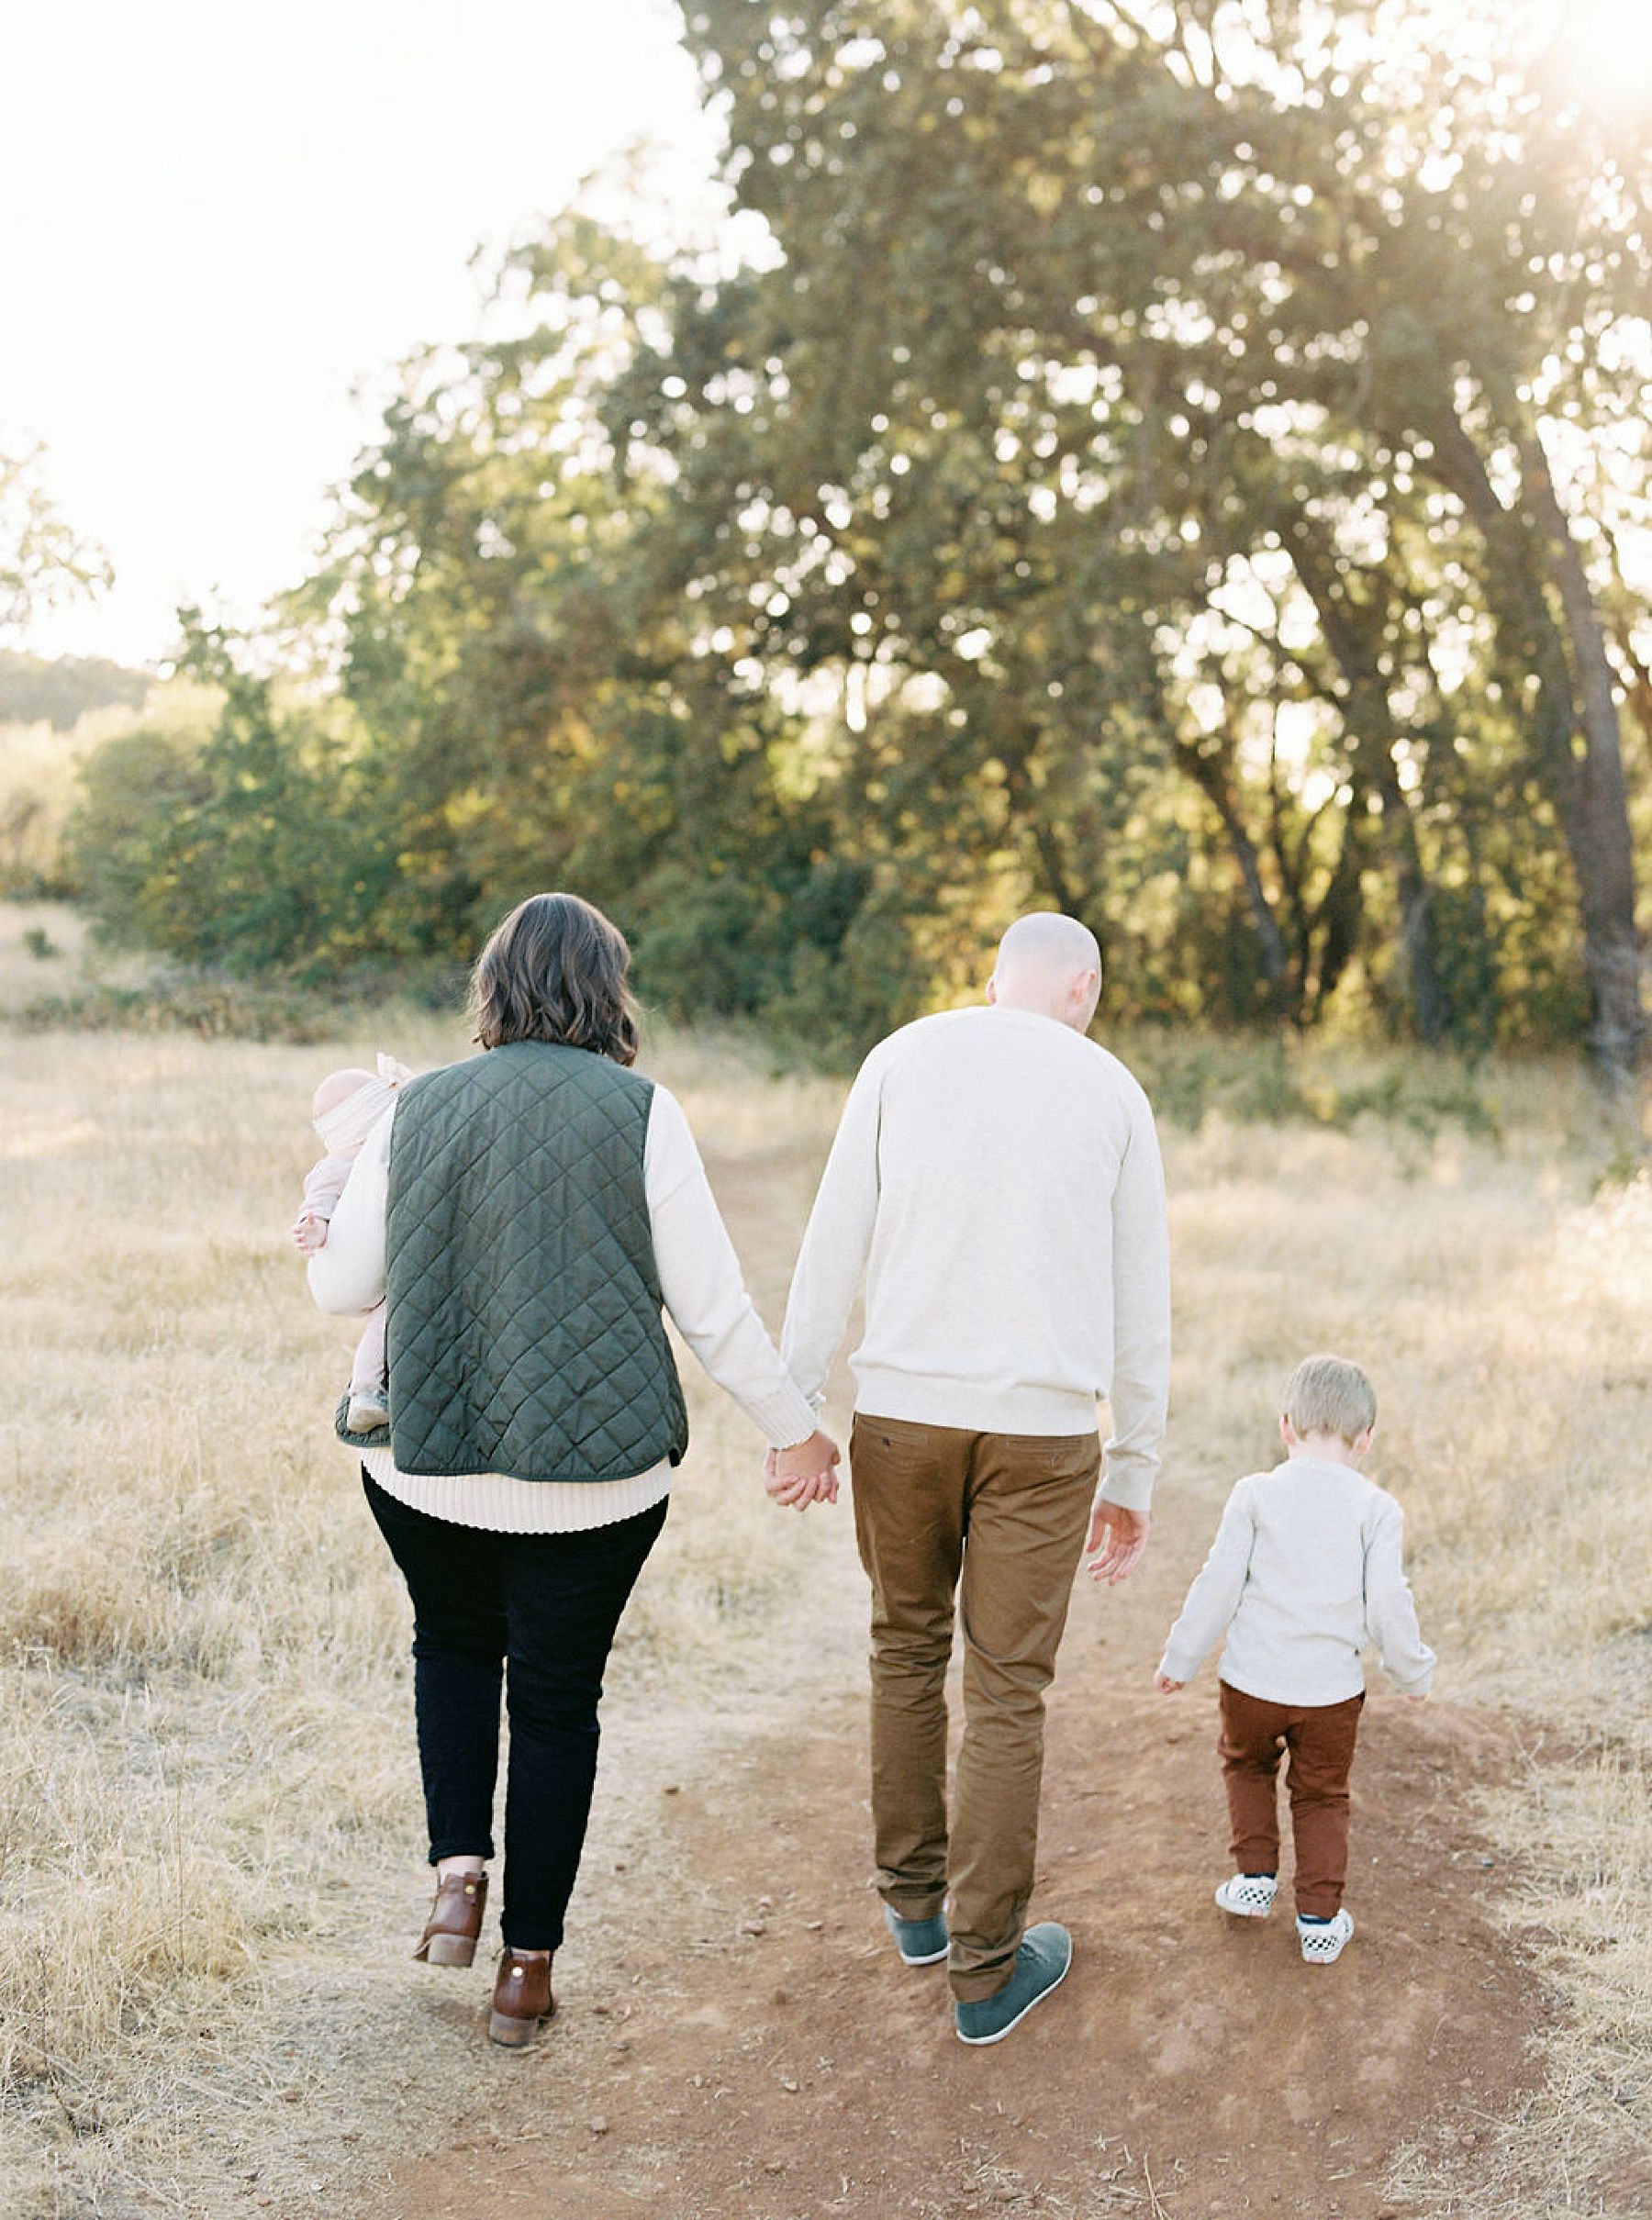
521,1999
455,1921
450,1950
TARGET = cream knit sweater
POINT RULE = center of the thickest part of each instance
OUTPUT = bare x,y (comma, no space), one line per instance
997,1177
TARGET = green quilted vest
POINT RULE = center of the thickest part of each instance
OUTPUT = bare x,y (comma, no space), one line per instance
523,1313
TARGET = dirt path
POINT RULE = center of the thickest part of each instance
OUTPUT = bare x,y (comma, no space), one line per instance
753,2046
737,2039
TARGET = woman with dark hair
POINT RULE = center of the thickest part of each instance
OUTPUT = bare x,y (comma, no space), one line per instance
526,1214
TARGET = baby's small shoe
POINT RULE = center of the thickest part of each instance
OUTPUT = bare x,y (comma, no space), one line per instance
1248,1895
1322,1940
367,1414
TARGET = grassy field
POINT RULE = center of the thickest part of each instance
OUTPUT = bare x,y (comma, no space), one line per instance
207,1795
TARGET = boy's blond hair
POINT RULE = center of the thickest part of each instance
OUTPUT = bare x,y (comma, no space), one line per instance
1329,1395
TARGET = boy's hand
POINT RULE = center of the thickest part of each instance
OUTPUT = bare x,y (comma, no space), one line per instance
1166,1687
1421,1699
309,1234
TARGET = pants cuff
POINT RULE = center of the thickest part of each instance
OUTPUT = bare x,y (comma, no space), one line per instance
462,1845
905,1904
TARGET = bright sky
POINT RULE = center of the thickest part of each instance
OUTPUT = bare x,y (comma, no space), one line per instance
217,217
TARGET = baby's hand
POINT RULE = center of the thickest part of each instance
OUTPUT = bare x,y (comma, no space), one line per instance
309,1233
1166,1687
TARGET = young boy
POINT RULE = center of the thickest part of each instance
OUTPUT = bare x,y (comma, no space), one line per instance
1303,1573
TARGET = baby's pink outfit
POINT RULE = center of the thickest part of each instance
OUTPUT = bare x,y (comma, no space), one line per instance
344,1128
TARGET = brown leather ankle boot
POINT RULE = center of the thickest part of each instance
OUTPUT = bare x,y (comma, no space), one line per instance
521,1999
455,1921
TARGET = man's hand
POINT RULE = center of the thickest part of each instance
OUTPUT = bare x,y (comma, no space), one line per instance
804,1474
1117,1538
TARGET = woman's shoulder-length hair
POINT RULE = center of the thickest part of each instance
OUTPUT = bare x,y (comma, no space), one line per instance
555,970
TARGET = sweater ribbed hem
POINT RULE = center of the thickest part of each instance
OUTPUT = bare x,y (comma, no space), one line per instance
935,1401
1311,1693
499,1504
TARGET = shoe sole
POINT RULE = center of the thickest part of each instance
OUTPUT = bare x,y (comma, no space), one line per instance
913,1958
1325,1957
448,1951
1244,1911
513,2034
930,1958
979,2042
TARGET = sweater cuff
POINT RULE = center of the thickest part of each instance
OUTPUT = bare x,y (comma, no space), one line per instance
784,1418
1128,1482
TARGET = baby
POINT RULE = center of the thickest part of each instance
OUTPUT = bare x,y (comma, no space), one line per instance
1304,1571
347,1106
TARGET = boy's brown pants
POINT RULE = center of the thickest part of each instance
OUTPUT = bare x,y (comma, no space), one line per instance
998,1520
1320,1737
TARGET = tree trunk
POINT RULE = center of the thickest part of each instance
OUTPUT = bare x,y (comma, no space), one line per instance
1337,919
1209,774
1368,723
1598,823
1579,755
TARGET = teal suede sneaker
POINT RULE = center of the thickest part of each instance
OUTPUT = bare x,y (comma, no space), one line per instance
1041,1965
920,1941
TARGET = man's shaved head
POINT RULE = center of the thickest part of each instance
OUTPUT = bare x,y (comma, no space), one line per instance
1050,963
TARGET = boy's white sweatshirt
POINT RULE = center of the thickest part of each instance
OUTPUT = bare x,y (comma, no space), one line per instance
1305,1573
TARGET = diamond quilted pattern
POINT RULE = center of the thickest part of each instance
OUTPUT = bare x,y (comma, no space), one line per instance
524,1323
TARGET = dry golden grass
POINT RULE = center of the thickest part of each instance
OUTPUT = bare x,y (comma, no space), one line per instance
209,1815
1505,1307
207,1775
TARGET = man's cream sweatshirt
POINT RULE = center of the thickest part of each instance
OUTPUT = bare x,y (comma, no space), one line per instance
997,1175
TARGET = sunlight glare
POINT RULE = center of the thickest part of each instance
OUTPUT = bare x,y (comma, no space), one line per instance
1605,46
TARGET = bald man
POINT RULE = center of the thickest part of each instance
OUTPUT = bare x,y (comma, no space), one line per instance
995,1175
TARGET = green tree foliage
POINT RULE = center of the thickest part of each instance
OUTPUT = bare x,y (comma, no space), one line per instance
1172,459
245,850
540,711
42,559
1177,384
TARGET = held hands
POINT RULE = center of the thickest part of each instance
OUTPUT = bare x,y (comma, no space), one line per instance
1117,1538
804,1474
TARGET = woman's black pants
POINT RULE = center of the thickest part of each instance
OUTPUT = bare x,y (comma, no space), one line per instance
537,1613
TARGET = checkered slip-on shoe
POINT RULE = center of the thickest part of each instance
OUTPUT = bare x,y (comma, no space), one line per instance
1248,1895
1322,1945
